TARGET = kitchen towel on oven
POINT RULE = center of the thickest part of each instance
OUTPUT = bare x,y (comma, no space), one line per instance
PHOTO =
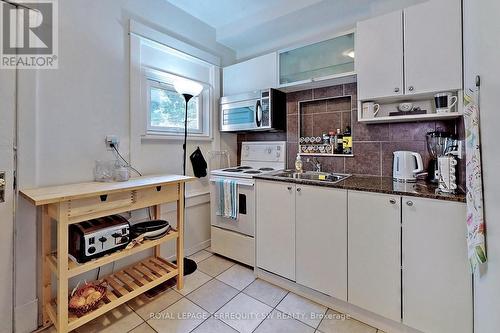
227,198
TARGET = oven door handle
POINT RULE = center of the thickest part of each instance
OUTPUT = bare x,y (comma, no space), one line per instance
239,181
258,113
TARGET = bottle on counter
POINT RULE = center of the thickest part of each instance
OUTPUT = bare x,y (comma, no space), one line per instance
339,143
347,141
298,163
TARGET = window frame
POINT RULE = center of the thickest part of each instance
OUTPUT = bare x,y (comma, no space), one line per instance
175,131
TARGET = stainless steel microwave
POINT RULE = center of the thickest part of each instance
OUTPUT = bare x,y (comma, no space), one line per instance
261,110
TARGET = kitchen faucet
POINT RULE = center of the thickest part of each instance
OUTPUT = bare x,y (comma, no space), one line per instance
316,164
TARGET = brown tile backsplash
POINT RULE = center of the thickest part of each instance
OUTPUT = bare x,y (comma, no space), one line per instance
335,107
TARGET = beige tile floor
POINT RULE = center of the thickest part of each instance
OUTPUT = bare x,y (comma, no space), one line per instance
223,296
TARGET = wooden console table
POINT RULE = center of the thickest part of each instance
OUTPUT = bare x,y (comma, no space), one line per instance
75,203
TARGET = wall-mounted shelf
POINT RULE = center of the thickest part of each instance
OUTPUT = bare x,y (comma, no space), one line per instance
425,101
420,117
325,154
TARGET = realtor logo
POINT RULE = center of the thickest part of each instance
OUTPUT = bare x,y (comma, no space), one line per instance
29,34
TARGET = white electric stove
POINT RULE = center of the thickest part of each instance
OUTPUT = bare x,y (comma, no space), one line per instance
235,238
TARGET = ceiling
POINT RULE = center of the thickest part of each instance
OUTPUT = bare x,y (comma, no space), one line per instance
252,27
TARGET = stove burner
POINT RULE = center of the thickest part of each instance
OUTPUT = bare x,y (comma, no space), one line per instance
243,167
231,170
266,169
253,172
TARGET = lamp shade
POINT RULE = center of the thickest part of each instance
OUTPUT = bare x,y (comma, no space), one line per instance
188,87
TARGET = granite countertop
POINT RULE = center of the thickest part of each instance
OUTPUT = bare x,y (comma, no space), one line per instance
386,185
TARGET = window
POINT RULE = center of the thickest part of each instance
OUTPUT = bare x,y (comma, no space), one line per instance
166,112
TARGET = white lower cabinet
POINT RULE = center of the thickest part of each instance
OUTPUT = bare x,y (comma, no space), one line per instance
437,284
375,253
403,258
275,227
321,239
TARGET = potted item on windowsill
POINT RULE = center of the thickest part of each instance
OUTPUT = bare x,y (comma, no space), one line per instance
86,298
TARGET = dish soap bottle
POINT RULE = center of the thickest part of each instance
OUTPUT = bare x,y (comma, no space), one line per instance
298,163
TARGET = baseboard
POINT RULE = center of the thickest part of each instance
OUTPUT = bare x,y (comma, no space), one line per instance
26,317
192,250
355,312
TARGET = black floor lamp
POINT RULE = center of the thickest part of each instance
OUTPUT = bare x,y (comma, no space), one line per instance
188,89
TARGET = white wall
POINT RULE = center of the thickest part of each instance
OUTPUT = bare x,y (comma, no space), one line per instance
64,114
482,54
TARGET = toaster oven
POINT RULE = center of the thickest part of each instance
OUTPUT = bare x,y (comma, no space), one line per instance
95,238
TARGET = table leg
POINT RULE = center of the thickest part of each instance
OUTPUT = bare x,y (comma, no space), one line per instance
62,268
157,216
46,273
180,239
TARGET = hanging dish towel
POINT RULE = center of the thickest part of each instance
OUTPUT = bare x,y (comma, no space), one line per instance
474,183
227,198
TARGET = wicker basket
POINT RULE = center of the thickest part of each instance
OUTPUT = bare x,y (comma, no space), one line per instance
81,310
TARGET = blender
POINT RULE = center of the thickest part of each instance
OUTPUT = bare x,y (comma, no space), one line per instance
439,143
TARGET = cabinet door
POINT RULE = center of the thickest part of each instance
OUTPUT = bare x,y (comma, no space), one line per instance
321,247
437,284
254,74
379,56
433,46
275,218
375,253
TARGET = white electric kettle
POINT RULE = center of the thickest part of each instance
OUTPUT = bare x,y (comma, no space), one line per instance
406,166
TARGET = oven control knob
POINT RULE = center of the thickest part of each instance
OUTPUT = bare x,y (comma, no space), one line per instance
269,150
278,154
91,249
124,239
102,239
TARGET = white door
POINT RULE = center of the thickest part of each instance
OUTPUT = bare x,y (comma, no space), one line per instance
437,283
254,74
433,46
275,224
375,253
321,234
379,56
7,130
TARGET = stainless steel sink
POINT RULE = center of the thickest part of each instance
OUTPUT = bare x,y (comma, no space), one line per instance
313,175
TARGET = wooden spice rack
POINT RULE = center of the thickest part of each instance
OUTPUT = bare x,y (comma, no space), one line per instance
74,203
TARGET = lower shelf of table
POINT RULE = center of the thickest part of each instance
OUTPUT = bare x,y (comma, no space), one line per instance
122,287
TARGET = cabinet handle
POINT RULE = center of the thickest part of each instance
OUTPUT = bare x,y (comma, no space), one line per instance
396,90
299,189
392,201
411,88
409,203
289,188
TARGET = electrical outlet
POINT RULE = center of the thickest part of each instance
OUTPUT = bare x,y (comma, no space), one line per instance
112,140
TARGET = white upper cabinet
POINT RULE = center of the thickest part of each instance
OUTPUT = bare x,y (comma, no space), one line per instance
328,59
437,283
433,46
415,51
321,239
254,74
375,253
379,56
